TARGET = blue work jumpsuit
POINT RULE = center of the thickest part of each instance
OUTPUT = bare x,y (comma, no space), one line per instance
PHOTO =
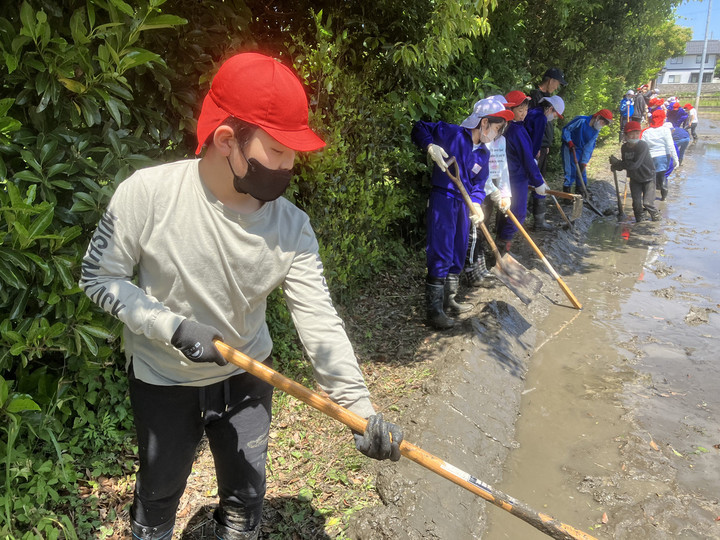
447,215
523,171
584,136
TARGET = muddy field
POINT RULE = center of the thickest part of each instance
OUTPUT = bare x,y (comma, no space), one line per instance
605,418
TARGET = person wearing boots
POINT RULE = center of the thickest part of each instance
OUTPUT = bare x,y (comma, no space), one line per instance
523,172
638,163
447,215
580,135
662,149
187,253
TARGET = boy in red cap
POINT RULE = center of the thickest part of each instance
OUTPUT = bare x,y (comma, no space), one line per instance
524,172
677,115
662,149
580,136
187,253
638,163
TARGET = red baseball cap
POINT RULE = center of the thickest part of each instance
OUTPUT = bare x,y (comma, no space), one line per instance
632,126
260,90
658,118
515,98
676,105
687,106
605,113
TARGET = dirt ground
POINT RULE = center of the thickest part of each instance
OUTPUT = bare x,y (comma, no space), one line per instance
434,384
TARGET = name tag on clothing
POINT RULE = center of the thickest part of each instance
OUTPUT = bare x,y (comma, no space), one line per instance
476,168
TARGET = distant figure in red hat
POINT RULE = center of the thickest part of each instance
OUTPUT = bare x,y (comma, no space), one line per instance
662,149
638,163
578,143
692,120
677,115
188,253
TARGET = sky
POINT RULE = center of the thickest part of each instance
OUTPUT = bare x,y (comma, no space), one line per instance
693,13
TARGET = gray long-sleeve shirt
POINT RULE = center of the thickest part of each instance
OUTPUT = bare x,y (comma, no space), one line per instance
167,249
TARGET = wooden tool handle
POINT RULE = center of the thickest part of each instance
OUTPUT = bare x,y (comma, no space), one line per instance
552,271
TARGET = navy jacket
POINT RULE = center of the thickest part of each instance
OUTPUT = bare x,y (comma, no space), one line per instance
535,123
521,161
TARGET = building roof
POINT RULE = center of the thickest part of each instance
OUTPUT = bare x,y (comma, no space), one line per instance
696,47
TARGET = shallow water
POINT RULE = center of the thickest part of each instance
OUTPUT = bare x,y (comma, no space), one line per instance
619,433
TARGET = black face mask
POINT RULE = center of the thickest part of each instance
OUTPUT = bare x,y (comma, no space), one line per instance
260,182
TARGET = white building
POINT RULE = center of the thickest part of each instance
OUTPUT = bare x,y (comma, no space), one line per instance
686,69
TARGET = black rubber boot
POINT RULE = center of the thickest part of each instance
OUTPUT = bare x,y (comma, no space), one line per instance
566,189
225,532
478,275
663,194
159,532
452,283
539,209
434,297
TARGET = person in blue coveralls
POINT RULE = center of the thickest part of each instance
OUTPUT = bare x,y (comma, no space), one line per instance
524,172
548,110
581,134
627,111
447,216
677,115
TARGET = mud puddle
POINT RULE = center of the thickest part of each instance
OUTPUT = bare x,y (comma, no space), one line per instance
619,433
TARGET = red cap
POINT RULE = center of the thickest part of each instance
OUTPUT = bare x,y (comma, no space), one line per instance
605,113
658,118
260,90
632,126
515,98
676,105
687,106
505,115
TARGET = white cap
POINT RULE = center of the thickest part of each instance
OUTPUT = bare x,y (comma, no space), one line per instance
489,106
557,103
630,93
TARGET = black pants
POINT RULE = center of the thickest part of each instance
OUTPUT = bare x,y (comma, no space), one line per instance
542,159
170,422
661,181
643,198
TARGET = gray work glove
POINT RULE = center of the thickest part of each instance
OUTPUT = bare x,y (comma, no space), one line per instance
375,442
195,341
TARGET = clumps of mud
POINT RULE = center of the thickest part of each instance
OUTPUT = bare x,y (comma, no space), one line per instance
662,270
697,316
668,293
